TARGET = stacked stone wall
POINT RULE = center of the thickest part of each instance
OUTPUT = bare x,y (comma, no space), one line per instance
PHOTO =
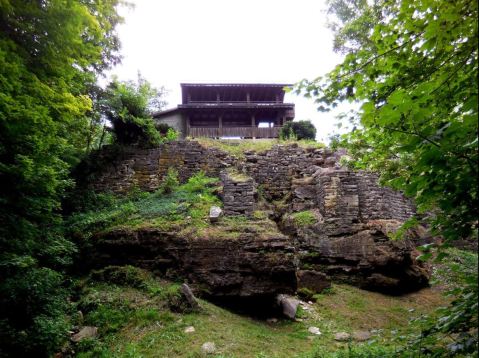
313,178
346,241
338,195
131,167
274,170
238,194
379,202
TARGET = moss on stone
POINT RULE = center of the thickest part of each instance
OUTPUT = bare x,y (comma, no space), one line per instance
234,227
237,176
184,205
238,147
304,218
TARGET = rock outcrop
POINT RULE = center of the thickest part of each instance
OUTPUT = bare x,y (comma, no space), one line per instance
345,238
243,266
350,240
365,257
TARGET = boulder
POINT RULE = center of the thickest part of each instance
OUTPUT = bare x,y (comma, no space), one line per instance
288,304
361,336
189,329
215,213
361,255
189,297
314,330
342,336
85,332
208,348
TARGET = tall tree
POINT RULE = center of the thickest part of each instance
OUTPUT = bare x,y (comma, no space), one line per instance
51,53
352,22
414,71
418,88
128,106
299,130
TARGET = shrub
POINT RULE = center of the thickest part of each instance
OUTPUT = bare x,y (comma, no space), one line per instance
452,330
163,128
170,181
167,133
166,207
122,275
304,218
109,319
199,182
128,107
298,130
36,309
171,134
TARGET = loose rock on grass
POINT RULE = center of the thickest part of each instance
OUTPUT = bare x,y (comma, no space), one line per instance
342,337
208,348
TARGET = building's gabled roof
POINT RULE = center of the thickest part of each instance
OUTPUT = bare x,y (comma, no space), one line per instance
233,96
232,92
166,111
281,85
226,105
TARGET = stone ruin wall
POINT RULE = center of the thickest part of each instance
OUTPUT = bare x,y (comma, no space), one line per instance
313,176
145,168
347,244
381,202
316,180
238,195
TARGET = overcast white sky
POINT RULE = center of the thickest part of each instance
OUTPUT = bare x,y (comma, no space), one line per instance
277,41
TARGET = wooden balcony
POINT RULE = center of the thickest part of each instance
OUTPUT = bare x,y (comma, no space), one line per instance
242,132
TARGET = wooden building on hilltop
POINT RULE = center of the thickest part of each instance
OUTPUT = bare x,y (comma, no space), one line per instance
229,110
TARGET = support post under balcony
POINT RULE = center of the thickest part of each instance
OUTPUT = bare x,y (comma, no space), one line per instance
220,126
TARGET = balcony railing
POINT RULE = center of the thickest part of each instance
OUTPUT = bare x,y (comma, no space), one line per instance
242,132
228,101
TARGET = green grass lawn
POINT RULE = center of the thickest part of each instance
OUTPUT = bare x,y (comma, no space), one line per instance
136,322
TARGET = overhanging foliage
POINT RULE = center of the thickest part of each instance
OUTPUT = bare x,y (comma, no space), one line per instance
415,76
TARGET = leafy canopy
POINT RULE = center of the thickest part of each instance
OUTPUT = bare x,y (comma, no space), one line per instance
299,130
51,53
416,78
129,106
412,65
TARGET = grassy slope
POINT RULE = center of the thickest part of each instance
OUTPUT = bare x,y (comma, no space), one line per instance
137,323
237,148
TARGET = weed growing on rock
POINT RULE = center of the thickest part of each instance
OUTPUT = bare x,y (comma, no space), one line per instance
170,181
238,148
170,206
303,218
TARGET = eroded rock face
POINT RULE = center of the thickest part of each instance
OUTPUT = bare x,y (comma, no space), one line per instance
314,281
366,258
244,266
348,242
